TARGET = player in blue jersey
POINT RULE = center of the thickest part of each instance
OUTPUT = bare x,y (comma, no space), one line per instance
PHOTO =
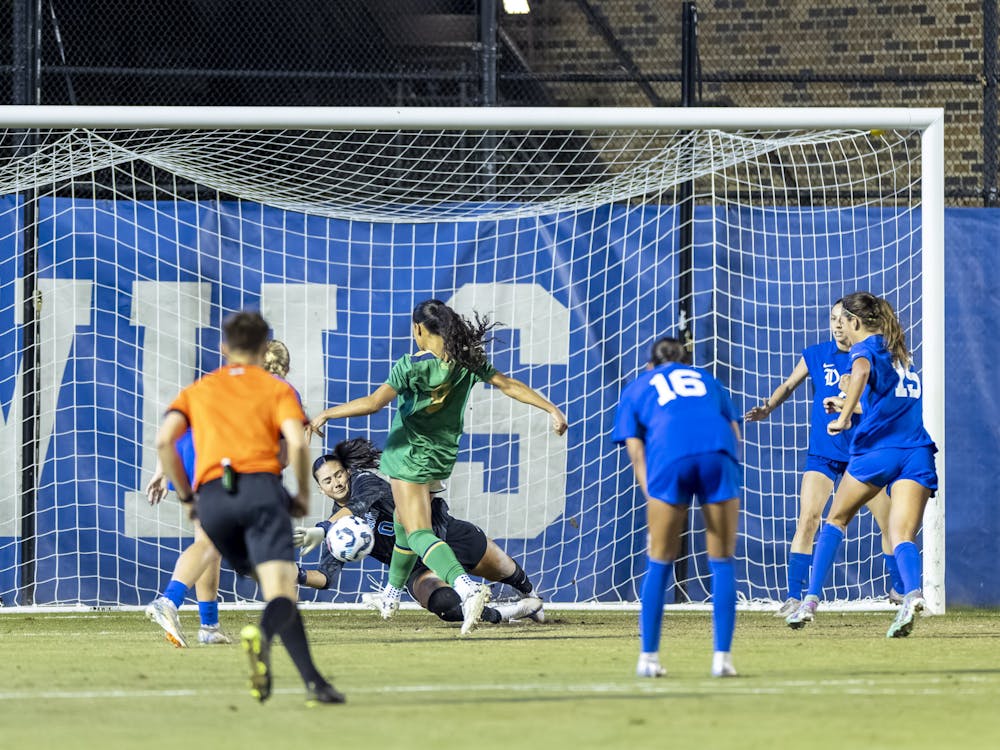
433,387
198,565
890,449
347,475
825,364
679,427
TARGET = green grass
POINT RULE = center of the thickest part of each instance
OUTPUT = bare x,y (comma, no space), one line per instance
108,680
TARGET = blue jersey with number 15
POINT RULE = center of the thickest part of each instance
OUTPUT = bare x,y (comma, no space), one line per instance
891,405
676,410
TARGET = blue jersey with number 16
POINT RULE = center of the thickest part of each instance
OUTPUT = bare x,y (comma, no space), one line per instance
676,410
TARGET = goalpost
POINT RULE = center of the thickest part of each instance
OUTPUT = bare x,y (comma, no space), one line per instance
126,234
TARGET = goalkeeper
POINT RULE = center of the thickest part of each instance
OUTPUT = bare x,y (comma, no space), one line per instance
347,476
825,364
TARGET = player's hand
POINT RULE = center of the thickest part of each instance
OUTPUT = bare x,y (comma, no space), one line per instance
833,404
838,425
156,490
844,382
307,538
300,505
757,413
315,427
559,423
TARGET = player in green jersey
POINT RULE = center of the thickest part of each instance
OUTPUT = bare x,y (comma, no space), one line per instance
432,388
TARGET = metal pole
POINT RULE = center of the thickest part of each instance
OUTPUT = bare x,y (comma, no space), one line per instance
488,90
991,110
27,68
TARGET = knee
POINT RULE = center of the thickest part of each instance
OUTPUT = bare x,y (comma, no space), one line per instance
445,603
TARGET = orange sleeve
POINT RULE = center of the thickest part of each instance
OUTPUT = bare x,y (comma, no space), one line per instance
181,404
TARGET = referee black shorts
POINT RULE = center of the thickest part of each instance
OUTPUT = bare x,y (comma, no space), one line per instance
250,526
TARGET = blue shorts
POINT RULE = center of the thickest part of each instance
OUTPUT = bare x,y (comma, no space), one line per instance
827,466
884,466
713,477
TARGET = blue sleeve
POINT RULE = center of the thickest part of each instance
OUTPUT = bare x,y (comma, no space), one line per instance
627,423
728,409
185,447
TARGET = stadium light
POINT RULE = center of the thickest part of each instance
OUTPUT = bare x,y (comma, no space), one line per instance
516,6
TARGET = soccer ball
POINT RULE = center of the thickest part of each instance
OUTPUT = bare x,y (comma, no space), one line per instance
349,539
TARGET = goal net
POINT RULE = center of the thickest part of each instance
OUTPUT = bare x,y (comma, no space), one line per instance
126,235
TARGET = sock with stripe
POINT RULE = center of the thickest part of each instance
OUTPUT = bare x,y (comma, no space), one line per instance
437,555
403,558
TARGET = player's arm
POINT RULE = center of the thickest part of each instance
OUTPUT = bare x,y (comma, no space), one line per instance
860,371
173,426
359,407
515,389
298,461
156,490
636,450
780,394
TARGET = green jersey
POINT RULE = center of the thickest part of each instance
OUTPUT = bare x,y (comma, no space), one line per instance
423,441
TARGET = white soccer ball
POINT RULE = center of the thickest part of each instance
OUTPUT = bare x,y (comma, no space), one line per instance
350,539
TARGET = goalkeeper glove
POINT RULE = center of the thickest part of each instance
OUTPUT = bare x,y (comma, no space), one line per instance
308,538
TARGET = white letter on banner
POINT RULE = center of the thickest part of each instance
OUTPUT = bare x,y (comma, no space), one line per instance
171,314
66,304
300,314
540,495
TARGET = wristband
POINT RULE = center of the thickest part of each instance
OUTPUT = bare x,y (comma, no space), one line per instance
185,500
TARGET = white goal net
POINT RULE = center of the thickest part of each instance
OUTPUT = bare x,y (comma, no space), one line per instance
127,235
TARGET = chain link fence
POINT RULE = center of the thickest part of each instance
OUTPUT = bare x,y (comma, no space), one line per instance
561,52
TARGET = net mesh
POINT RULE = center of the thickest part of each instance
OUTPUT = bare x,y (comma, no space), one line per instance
144,240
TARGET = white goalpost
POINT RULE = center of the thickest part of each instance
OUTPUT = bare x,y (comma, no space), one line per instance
127,234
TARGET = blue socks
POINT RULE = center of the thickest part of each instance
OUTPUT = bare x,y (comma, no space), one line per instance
892,568
798,573
209,612
175,592
723,601
910,567
824,553
654,589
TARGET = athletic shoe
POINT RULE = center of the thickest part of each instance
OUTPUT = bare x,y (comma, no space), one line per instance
538,615
322,692
790,605
259,652
519,609
649,666
163,612
902,626
472,607
212,635
722,664
385,604
804,613
895,597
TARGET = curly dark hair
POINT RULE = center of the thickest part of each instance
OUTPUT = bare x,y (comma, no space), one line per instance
464,340
353,454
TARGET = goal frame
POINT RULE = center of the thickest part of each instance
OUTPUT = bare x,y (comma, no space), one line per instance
928,121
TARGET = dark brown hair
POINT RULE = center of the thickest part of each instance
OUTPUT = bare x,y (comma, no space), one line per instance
245,331
668,349
876,314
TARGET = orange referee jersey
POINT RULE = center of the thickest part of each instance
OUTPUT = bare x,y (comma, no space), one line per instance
236,412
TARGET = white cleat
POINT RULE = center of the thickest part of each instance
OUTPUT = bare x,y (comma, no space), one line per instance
895,597
163,612
212,635
649,666
722,664
902,626
526,608
788,606
804,614
472,608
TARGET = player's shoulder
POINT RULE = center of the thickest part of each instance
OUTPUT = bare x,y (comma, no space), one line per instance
824,349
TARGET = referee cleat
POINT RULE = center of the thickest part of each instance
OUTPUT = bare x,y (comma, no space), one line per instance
520,609
163,612
895,597
322,692
212,635
804,613
722,664
472,608
649,666
790,605
902,626
259,652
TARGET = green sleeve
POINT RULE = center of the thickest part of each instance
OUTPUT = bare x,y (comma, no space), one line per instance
399,376
486,373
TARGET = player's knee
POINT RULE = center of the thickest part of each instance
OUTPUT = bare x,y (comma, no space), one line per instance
446,604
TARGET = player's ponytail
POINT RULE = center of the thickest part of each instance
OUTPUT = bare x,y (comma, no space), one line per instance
276,358
876,314
464,340
357,453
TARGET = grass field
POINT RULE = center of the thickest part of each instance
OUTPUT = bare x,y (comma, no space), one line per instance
108,680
